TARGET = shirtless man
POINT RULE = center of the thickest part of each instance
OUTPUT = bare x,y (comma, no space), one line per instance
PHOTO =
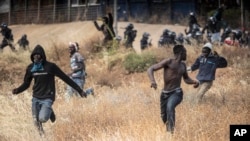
171,95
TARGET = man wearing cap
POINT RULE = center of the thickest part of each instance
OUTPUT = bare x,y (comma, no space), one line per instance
207,63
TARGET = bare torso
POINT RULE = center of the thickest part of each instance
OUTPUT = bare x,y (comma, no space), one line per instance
173,72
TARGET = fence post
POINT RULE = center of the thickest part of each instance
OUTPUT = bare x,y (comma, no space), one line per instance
69,9
9,12
54,11
25,12
38,10
115,17
242,15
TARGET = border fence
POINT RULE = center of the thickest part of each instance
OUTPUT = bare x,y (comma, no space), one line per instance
52,14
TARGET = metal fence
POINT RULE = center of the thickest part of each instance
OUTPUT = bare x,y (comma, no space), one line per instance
52,14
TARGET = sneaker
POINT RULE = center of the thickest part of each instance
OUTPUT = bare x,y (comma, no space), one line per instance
90,91
52,117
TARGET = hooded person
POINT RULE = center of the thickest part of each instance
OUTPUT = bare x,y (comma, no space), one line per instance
207,63
44,91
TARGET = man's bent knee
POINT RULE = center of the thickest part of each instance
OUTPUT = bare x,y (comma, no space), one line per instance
43,119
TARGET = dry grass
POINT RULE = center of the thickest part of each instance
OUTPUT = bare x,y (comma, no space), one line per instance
125,108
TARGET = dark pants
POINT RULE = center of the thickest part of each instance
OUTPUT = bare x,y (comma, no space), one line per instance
6,42
168,101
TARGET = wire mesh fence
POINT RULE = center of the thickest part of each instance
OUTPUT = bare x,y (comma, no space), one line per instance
52,14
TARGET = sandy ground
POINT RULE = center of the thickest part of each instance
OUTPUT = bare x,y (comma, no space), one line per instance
83,31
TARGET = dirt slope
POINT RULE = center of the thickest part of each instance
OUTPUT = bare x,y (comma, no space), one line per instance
83,31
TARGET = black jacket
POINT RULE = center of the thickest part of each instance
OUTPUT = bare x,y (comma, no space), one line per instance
212,27
7,33
44,79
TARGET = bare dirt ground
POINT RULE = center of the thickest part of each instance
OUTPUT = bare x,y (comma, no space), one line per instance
81,32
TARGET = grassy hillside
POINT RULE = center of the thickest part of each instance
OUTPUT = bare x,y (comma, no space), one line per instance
124,108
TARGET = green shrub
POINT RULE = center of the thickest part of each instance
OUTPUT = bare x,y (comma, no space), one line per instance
138,62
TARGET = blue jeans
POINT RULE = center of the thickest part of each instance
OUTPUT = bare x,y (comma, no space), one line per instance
70,91
168,101
80,82
41,109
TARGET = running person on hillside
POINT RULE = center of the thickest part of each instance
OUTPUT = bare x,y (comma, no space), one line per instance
207,63
78,71
174,70
23,42
44,90
7,37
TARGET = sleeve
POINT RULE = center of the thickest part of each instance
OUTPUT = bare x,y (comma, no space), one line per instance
26,81
59,73
97,26
196,64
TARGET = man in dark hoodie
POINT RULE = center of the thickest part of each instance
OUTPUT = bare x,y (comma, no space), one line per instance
43,72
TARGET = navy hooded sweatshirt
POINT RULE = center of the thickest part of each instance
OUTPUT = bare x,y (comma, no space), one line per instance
44,78
207,67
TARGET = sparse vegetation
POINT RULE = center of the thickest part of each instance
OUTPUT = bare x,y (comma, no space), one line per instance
134,62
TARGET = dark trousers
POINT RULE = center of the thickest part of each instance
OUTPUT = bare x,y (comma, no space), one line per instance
6,42
168,101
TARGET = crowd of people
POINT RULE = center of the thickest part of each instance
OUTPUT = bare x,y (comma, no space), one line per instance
43,72
216,31
8,39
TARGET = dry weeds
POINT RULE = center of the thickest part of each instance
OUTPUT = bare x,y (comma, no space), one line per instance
126,108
